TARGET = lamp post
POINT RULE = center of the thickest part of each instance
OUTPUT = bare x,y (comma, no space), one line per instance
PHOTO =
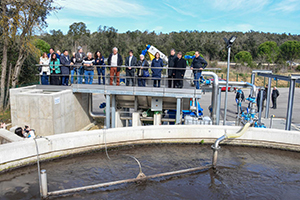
228,44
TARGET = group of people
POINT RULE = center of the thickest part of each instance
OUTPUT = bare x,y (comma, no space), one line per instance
240,97
59,67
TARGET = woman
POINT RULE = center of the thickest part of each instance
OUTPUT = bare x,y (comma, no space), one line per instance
156,73
54,69
141,71
72,67
44,69
99,60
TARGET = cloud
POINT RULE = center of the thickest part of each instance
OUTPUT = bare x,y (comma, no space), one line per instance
104,8
249,5
182,12
287,6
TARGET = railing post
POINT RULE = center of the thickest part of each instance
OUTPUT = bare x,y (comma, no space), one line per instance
290,105
178,111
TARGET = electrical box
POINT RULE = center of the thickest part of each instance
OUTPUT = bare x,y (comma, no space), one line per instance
156,104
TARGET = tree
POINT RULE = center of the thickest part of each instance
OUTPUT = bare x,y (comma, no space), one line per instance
243,57
20,20
268,51
77,31
290,50
41,45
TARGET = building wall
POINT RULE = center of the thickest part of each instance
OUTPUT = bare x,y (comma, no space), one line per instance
47,112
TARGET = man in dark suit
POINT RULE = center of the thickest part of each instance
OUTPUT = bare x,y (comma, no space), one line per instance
275,95
115,60
65,68
180,63
129,62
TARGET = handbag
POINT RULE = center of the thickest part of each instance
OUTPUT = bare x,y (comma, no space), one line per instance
145,71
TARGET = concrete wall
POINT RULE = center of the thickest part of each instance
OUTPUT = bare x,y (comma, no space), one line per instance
24,152
49,112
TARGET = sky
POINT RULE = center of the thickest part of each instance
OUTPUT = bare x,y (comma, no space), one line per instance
274,16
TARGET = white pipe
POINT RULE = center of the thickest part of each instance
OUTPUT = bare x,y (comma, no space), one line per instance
94,115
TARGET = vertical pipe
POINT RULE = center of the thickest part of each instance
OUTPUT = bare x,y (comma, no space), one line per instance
113,111
260,105
107,110
44,183
178,111
219,106
268,98
253,78
135,103
290,105
226,92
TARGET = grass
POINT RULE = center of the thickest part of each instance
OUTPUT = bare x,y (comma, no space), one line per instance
5,116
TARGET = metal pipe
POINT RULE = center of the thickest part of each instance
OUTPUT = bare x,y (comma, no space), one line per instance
271,120
113,111
219,106
44,183
226,92
260,105
216,145
268,98
214,98
103,185
253,78
107,111
289,113
135,103
178,111
94,115
38,164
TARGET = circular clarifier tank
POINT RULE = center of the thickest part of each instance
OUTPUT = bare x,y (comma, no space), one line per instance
241,173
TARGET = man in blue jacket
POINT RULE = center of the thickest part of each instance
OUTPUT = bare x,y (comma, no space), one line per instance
197,66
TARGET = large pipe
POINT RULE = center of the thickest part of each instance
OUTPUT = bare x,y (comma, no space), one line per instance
214,98
178,111
219,105
289,113
113,111
216,145
268,98
91,113
107,111
132,180
44,183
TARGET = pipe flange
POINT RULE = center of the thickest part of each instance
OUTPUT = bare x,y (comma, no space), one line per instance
215,148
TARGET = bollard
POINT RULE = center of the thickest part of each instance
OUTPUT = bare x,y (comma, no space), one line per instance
44,187
271,120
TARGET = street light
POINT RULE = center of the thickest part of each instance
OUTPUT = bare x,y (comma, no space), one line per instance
228,45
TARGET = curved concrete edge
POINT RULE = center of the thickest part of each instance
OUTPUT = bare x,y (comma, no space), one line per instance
8,136
22,153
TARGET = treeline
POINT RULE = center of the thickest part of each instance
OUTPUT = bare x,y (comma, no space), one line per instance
210,44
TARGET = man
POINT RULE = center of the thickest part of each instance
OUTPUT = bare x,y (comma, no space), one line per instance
65,68
130,61
180,63
275,94
198,64
171,72
58,54
115,60
258,99
51,51
79,56
239,97
88,64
